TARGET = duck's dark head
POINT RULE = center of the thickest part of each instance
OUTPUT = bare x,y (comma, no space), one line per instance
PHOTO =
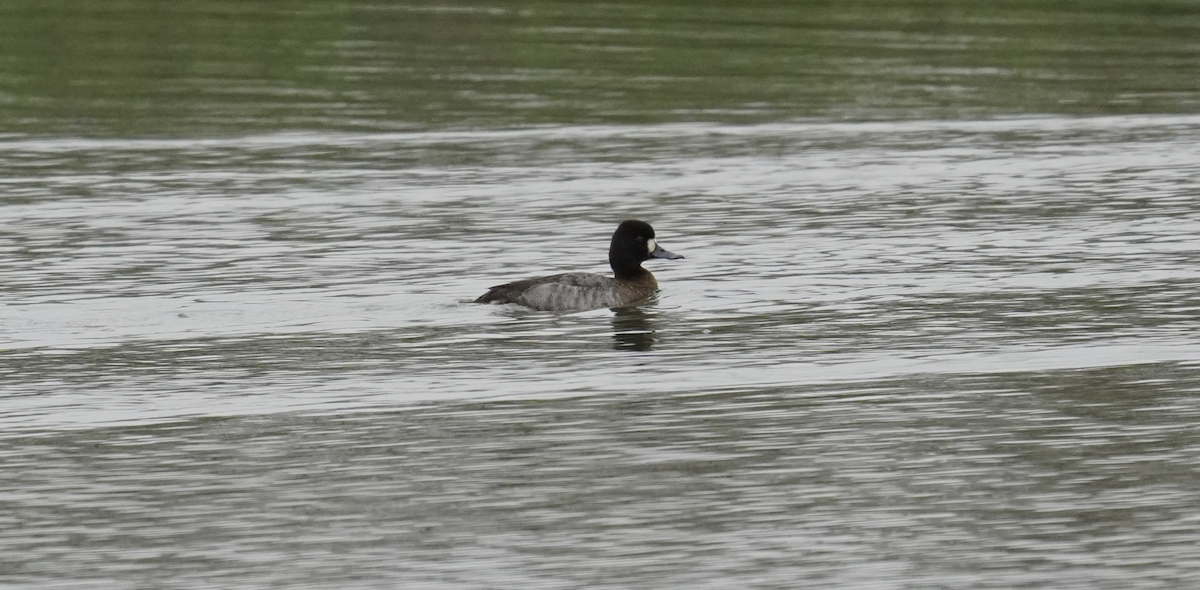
633,243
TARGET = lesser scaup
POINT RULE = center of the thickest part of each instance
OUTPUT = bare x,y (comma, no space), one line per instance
632,243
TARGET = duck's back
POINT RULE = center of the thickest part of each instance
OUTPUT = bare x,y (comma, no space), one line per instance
571,291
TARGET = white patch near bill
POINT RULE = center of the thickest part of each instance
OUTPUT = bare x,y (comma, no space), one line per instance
650,245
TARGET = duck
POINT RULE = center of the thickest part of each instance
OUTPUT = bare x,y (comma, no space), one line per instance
632,244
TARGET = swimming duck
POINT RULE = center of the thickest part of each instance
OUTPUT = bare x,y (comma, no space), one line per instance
632,243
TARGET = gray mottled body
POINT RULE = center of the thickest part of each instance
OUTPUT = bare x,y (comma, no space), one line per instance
573,292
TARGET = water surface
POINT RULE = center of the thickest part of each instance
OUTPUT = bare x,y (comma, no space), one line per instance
898,354
936,326
202,68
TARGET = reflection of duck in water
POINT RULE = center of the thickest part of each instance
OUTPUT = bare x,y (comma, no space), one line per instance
632,244
633,330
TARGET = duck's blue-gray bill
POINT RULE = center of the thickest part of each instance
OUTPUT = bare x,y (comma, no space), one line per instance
658,252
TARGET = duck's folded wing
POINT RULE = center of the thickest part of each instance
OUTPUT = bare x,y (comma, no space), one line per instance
587,280
573,291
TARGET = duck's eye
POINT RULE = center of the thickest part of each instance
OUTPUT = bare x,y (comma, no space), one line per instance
650,245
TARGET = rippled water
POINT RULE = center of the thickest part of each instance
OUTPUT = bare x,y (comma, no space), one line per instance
207,67
936,328
955,354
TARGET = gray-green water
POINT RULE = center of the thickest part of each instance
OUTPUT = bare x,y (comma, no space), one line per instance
137,67
936,327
